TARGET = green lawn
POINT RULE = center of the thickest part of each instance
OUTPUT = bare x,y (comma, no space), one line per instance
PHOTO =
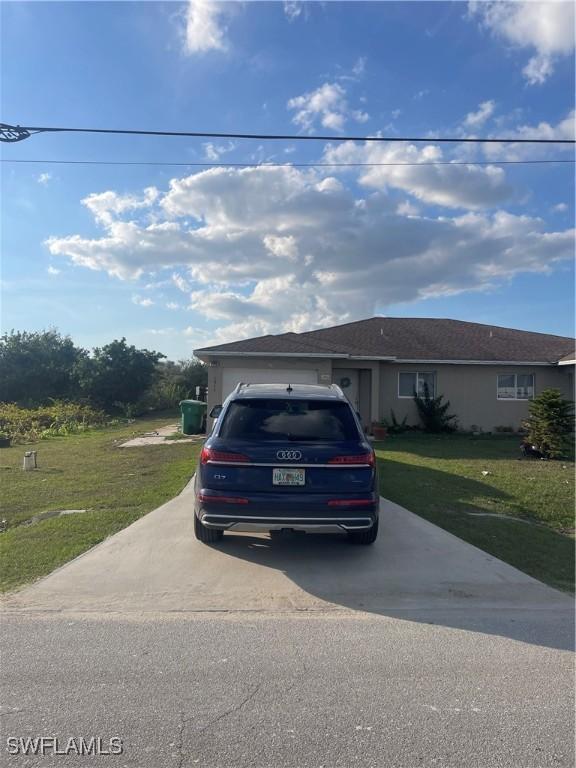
440,478
87,471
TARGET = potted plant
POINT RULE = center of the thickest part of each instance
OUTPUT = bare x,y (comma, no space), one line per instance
379,430
4,439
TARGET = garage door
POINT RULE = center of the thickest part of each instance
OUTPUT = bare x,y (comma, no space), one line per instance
231,377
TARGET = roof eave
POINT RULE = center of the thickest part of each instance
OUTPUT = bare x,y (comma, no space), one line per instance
473,362
385,358
213,353
207,353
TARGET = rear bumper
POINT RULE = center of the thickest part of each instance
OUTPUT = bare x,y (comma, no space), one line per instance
248,523
273,512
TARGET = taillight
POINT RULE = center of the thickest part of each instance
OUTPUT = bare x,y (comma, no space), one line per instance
350,502
364,458
209,454
222,499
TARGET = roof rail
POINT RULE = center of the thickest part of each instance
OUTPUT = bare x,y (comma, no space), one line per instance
239,386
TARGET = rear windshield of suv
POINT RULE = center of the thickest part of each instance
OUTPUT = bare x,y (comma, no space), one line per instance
297,420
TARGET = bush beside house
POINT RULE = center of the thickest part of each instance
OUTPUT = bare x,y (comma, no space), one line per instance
550,425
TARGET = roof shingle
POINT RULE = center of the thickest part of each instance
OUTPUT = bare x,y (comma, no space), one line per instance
409,338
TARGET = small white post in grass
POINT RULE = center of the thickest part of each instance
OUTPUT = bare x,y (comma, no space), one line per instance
29,461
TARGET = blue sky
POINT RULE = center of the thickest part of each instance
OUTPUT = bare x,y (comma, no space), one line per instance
175,258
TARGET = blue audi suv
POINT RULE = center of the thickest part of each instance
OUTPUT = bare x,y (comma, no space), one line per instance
284,456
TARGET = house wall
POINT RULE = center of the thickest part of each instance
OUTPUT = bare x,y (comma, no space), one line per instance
471,390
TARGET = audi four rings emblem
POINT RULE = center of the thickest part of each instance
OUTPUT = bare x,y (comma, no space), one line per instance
289,455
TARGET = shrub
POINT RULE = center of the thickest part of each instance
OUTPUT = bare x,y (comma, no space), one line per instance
434,413
394,426
550,424
162,396
58,418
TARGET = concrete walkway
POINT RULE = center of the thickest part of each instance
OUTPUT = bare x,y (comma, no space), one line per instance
158,437
156,566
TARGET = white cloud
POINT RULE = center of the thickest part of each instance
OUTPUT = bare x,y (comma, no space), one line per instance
293,9
477,119
215,151
106,205
44,178
406,208
196,337
180,283
357,72
328,105
538,69
52,270
359,116
142,302
455,186
205,30
172,305
282,247
277,249
565,129
359,67
223,305
545,27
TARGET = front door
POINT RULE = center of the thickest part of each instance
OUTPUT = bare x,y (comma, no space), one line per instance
347,380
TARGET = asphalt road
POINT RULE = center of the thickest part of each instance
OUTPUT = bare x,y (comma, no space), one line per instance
297,652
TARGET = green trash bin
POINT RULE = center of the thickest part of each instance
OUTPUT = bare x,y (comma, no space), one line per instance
193,416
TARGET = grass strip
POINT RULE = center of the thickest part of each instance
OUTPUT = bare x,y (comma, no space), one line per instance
88,471
521,511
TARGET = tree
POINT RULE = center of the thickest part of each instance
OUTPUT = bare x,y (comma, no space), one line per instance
117,374
551,423
192,373
174,382
434,413
38,366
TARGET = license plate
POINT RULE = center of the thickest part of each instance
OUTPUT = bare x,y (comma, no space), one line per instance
288,476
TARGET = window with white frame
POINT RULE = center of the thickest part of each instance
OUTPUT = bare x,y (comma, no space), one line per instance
411,383
515,386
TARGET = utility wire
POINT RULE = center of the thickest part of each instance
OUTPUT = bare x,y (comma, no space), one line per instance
287,165
11,133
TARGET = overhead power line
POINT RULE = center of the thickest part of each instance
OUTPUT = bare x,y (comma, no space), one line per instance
286,165
15,133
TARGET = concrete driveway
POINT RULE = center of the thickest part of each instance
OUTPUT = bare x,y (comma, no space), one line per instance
156,565
292,653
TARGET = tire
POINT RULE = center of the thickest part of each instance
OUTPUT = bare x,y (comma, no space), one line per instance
364,537
206,535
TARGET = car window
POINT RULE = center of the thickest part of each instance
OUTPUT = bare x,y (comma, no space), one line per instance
296,420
